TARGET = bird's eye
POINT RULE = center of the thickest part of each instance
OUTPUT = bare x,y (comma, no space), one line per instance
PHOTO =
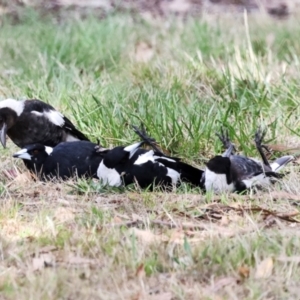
35,151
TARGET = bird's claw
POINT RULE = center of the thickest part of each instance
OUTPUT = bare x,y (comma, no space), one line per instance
224,138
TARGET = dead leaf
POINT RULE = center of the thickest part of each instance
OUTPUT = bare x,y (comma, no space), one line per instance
244,271
222,282
140,271
283,148
117,220
264,269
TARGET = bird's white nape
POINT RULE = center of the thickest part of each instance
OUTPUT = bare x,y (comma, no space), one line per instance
108,176
15,105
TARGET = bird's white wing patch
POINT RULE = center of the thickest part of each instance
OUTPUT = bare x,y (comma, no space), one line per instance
217,182
143,158
48,149
174,175
165,158
53,116
108,176
133,148
15,105
37,113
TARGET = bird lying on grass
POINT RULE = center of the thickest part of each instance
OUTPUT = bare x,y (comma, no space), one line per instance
230,172
33,121
66,160
188,173
147,168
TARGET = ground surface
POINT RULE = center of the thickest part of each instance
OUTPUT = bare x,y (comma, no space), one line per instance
183,79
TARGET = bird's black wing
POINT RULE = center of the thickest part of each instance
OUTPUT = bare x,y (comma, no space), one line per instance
245,167
41,107
68,126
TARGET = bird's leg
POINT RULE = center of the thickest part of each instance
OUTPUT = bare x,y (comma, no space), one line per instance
227,144
146,138
259,136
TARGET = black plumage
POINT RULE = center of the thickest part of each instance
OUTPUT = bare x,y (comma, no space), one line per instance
127,165
66,160
33,121
188,173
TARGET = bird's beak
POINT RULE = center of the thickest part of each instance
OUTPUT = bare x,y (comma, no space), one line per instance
3,135
22,154
133,148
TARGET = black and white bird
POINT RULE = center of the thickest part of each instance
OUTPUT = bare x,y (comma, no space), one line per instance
230,172
33,121
188,173
66,160
127,165
148,168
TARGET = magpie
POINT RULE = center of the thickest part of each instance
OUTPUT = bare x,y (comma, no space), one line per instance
126,165
230,172
33,121
188,173
66,160
149,168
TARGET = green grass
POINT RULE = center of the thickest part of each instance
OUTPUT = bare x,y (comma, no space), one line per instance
183,80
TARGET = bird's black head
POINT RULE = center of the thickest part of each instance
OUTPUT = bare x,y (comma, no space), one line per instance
10,110
35,153
116,156
219,165
120,155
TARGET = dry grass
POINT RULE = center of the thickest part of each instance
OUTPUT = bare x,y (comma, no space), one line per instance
56,243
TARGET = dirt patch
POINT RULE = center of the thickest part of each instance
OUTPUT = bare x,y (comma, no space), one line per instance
275,8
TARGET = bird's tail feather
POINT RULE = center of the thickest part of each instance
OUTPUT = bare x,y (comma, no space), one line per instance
281,162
